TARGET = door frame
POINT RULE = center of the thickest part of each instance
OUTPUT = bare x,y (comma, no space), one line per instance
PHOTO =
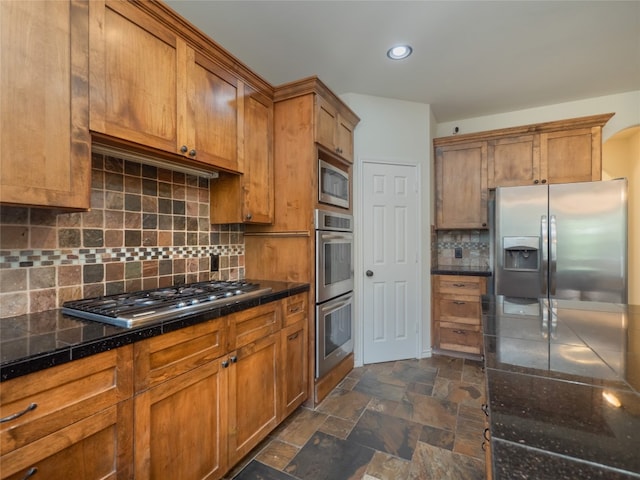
422,348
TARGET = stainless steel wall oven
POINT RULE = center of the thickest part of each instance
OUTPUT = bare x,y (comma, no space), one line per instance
334,287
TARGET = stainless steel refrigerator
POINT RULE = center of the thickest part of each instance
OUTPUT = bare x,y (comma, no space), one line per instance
565,241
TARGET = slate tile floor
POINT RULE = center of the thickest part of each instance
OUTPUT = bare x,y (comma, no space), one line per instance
403,420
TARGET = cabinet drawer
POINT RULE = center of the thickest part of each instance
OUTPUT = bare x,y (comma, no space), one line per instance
254,324
295,308
62,395
468,339
460,309
460,285
166,356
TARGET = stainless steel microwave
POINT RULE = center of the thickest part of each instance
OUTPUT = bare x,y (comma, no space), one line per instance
333,185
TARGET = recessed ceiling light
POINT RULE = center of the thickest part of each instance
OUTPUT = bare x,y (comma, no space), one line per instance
399,52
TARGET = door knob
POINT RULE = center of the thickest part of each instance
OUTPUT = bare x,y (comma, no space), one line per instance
369,273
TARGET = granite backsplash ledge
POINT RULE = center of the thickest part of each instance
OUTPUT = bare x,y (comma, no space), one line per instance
148,227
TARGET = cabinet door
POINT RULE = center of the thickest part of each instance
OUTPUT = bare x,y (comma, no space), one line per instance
95,448
461,186
572,155
257,180
213,113
294,366
180,426
134,76
326,121
253,394
45,157
513,161
344,138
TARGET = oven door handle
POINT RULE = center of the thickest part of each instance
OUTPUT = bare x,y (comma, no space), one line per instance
336,236
334,306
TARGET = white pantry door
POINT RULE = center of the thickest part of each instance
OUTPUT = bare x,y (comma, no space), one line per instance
391,270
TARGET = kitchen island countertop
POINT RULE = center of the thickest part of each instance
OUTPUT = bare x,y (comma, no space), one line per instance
563,388
33,342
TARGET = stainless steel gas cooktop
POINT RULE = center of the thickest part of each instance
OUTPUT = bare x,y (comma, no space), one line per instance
147,306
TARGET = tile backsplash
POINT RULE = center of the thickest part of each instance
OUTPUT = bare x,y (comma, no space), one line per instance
473,243
148,227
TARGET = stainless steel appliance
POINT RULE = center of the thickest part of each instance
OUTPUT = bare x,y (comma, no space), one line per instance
334,332
334,287
334,254
566,241
333,185
147,306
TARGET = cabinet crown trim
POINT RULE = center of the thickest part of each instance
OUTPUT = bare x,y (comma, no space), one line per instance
568,124
310,85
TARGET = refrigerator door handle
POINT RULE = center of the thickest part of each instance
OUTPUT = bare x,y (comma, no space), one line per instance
553,254
544,238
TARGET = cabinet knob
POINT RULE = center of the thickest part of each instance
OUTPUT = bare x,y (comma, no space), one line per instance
183,149
234,359
544,180
225,363
536,181
248,216
484,224
369,273
192,153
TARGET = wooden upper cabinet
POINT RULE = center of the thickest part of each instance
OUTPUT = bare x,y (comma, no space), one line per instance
461,186
134,76
333,130
258,188
513,161
249,197
45,157
150,87
213,113
572,155
564,151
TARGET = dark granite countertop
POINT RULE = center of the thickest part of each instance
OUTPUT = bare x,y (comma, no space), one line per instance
563,388
36,341
461,270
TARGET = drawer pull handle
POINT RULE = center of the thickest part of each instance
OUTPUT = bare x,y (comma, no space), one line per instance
30,473
460,285
8,418
295,309
458,302
485,409
294,336
461,332
485,433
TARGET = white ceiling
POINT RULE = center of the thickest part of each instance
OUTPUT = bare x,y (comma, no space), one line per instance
471,58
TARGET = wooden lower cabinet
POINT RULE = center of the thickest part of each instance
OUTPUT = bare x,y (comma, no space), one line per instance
253,394
76,421
94,448
294,367
180,426
457,312
187,405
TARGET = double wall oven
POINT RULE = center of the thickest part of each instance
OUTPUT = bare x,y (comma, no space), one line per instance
334,289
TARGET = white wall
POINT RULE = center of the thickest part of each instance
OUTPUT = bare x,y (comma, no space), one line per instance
394,131
626,107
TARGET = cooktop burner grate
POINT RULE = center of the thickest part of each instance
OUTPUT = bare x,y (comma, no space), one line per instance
146,306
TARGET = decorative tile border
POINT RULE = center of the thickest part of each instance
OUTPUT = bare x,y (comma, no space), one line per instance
82,256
